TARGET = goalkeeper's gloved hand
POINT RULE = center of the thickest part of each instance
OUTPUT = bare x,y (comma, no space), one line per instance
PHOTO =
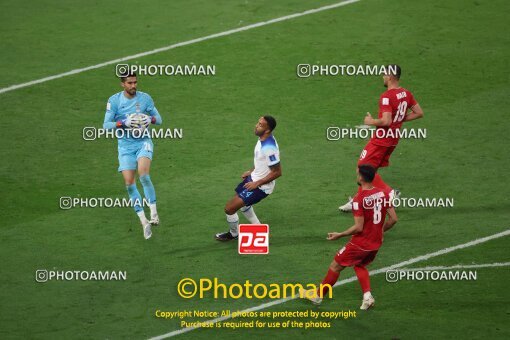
146,121
128,122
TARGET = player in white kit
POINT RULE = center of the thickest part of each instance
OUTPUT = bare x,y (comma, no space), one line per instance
258,183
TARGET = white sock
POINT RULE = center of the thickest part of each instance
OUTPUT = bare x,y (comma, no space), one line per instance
249,213
143,219
154,211
366,295
233,222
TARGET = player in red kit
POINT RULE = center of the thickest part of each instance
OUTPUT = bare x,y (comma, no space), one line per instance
369,207
396,106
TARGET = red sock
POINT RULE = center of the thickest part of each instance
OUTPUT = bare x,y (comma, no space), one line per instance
331,278
379,183
363,278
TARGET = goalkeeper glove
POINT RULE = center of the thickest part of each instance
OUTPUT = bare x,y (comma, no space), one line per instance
146,121
125,122
129,122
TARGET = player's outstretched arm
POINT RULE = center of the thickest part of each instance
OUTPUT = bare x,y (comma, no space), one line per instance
355,229
391,220
416,113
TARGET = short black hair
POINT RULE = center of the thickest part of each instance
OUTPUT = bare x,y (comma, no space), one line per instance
394,70
126,75
271,122
367,172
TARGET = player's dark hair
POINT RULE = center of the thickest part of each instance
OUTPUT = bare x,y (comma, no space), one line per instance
394,70
271,122
126,75
367,172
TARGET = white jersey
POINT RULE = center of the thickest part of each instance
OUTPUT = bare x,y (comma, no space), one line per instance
267,154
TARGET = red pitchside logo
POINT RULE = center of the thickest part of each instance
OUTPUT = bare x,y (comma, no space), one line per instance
253,239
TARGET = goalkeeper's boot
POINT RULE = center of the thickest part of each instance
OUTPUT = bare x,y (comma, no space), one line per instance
310,294
147,232
225,236
347,206
367,303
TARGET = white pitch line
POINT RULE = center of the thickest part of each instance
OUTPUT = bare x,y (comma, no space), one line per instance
184,43
461,266
345,281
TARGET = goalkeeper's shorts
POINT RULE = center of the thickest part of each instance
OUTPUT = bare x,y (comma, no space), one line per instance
131,153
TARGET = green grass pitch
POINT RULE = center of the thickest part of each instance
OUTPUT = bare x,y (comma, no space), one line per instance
455,57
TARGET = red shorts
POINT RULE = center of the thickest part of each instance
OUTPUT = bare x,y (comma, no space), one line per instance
376,155
351,255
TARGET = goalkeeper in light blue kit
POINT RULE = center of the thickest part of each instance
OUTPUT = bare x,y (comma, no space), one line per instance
130,110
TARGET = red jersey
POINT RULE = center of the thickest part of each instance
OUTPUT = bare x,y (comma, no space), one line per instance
372,204
396,101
